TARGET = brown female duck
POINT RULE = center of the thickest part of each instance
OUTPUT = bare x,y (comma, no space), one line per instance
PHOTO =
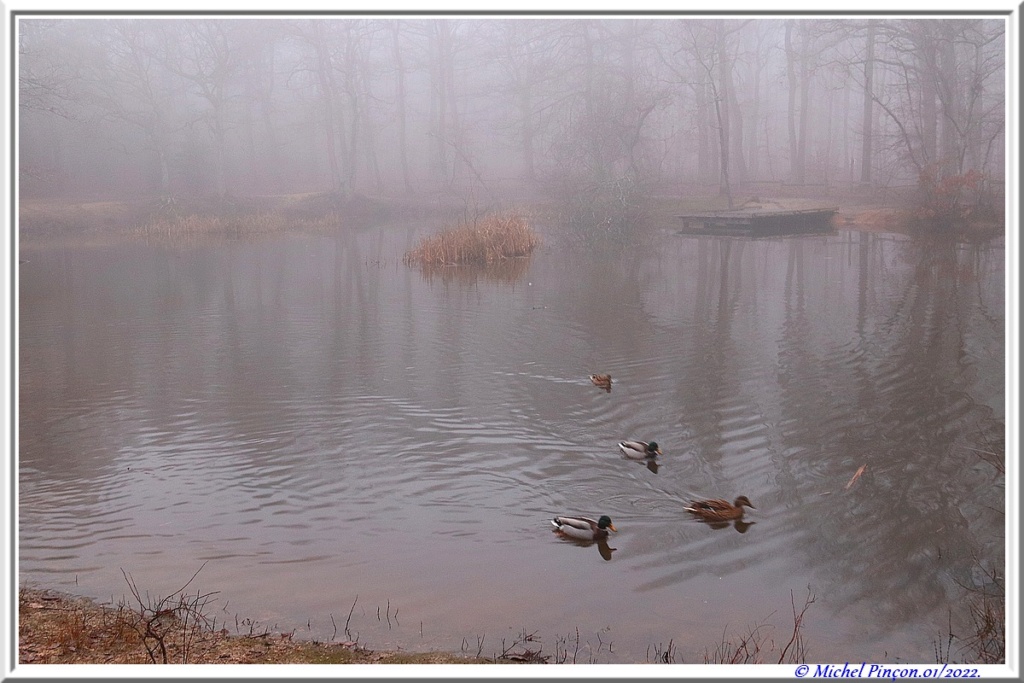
719,510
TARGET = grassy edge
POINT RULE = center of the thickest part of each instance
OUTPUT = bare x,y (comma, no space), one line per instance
58,628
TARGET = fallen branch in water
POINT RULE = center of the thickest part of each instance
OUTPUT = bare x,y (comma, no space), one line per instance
856,476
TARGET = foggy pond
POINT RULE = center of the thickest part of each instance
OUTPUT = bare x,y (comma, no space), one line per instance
337,438
227,368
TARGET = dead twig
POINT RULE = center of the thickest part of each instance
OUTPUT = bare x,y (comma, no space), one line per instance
856,476
796,639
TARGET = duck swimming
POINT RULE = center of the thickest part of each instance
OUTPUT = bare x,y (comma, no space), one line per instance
718,509
583,527
603,381
639,450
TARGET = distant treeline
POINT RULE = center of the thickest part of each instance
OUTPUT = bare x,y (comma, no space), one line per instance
121,105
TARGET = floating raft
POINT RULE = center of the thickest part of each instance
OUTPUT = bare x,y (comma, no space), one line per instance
759,222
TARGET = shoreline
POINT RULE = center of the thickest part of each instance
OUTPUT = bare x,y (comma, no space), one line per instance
43,221
55,627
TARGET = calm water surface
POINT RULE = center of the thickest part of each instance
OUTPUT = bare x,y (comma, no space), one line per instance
324,427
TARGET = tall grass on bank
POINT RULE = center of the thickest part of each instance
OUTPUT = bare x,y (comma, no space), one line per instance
758,646
491,239
234,225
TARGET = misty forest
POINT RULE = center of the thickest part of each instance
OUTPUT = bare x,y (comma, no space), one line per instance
606,110
535,339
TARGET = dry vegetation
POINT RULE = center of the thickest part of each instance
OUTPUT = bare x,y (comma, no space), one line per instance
491,239
55,628
759,647
240,225
60,629
496,238
51,218
174,218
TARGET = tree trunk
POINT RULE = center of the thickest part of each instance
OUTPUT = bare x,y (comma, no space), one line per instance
594,144
951,160
929,110
526,116
220,152
733,117
754,146
326,83
795,172
704,152
805,95
439,98
266,115
454,134
722,113
400,104
867,117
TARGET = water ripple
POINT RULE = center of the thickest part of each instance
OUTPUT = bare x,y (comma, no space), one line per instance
349,429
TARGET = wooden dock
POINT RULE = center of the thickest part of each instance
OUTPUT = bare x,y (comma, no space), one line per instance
759,222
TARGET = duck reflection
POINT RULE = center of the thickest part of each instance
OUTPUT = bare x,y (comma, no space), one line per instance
602,546
641,451
605,550
652,466
740,525
585,532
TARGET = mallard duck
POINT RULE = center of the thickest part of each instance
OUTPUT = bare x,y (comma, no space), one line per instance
639,450
603,381
719,510
584,527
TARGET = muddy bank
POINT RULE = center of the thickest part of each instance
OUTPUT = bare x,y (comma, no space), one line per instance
57,628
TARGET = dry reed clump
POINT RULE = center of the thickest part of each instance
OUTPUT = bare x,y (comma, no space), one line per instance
491,239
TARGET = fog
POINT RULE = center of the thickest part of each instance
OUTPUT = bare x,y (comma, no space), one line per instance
232,358
118,107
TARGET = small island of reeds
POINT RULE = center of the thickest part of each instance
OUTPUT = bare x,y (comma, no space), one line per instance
487,240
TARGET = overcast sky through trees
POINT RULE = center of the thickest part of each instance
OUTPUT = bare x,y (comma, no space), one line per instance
118,106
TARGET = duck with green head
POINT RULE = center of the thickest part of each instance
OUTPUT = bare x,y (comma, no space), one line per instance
584,528
640,450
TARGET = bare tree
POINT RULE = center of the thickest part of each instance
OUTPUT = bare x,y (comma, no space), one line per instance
131,87
709,45
203,53
525,53
938,73
314,33
868,118
48,71
401,105
798,75
593,109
